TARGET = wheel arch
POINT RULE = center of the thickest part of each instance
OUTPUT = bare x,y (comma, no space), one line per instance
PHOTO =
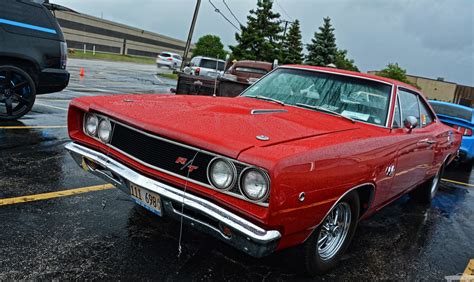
366,193
26,64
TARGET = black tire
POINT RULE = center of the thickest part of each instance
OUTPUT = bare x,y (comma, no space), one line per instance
17,92
425,193
316,261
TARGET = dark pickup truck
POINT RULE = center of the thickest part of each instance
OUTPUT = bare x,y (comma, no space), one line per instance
33,55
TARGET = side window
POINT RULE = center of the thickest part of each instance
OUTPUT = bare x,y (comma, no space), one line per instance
426,115
409,105
396,116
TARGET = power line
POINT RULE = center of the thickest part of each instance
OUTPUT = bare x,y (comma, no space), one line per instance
218,11
283,9
232,13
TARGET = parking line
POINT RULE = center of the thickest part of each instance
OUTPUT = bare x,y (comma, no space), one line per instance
457,182
54,107
33,126
51,195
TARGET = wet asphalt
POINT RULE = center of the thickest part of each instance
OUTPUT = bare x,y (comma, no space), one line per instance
103,235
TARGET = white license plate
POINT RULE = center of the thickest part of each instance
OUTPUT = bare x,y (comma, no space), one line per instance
145,198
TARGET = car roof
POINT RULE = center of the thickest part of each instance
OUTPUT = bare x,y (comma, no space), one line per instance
357,74
451,104
209,58
171,53
256,64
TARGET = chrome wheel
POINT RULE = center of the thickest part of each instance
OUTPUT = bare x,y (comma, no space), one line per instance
334,231
434,183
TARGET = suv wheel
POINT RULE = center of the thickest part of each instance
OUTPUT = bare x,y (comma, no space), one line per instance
17,92
323,249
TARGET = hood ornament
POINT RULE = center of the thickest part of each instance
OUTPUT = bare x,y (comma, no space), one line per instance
263,137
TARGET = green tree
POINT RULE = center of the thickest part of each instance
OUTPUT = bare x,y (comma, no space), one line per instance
394,71
209,46
342,62
292,46
322,50
261,38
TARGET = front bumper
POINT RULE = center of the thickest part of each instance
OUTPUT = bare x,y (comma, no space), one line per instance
199,213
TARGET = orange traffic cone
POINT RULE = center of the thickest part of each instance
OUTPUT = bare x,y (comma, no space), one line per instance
82,72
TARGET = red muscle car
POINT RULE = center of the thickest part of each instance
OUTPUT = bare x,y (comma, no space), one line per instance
298,159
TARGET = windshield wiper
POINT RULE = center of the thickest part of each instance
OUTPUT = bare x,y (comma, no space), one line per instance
267,99
321,109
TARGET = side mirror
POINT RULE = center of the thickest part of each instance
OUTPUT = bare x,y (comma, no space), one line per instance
227,58
410,122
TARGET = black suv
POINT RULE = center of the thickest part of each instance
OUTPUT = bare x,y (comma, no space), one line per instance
33,55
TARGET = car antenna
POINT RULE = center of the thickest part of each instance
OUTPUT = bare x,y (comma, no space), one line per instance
215,81
180,249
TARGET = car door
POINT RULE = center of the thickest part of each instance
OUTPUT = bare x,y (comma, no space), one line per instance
415,153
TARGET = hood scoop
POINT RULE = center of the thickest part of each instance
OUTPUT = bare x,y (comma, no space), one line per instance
267,111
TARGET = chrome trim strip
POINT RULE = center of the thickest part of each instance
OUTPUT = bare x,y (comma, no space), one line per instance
252,231
340,198
267,111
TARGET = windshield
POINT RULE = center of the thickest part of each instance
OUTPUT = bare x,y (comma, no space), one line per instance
456,112
211,64
355,98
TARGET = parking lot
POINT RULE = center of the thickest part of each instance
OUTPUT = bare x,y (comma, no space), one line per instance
84,229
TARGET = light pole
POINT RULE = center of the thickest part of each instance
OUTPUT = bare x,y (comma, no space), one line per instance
190,35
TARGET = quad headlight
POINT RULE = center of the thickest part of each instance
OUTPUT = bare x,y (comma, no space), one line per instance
254,184
91,124
222,174
105,130
98,127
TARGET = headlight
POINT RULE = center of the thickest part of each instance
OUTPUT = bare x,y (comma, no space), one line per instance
105,130
92,121
222,174
254,184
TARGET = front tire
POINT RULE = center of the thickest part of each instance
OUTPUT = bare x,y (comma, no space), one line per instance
17,92
323,249
425,193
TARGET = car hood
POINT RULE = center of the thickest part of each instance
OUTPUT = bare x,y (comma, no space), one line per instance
222,125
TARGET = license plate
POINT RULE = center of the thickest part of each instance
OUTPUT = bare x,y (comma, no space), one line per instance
145,198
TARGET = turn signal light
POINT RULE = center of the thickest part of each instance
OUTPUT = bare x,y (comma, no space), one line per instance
170,59
468,132
197,71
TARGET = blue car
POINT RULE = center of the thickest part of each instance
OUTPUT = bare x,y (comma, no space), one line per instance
462,119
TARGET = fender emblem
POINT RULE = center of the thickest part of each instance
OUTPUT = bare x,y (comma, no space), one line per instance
390,170
186,164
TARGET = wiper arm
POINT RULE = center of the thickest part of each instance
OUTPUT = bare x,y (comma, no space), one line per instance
321,109
267,99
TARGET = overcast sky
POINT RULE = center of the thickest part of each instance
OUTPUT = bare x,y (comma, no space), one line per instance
431,38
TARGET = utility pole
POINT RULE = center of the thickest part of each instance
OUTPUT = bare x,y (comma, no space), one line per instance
190,35
286,26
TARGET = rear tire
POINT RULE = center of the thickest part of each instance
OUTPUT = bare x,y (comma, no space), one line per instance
323,249
17,92
425,193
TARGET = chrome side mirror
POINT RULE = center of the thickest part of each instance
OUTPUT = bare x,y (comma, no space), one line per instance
410,122
275,63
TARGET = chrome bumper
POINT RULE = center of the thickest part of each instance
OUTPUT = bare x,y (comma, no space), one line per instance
199,213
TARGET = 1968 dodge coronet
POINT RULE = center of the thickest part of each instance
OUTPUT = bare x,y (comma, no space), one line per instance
297,159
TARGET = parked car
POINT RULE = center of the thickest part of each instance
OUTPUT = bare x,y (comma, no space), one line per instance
205,66
462,119
248,71
276,167
33,55
168,59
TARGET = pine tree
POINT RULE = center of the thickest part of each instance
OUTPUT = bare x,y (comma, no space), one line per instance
322,51
342,62
292,46
261,38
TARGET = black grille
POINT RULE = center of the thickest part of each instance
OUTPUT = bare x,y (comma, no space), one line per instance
159,153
